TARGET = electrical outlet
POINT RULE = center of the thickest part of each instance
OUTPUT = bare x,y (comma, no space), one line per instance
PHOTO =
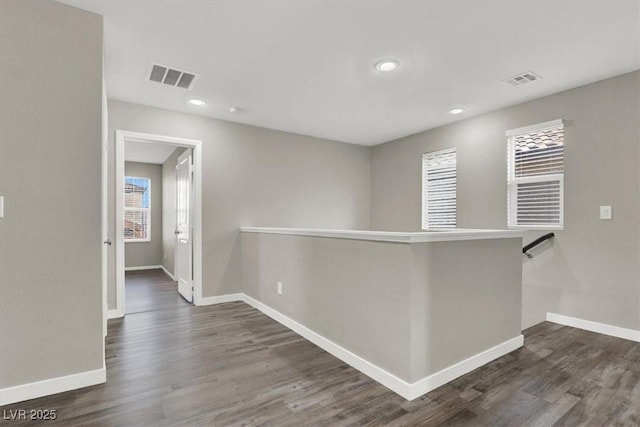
279,288
605,212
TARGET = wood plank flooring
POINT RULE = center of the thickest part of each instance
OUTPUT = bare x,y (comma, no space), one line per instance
148,290
171,364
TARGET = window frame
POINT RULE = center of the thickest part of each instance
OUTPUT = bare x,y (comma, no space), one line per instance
513,181
125,208
425,209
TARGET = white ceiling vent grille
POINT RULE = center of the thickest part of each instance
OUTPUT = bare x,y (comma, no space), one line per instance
523,78
172,77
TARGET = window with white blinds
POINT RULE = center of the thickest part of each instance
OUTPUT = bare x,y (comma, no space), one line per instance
536,176
137,209
439,189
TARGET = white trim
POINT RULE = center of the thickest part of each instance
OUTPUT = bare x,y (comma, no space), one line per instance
196,146
115,314
221,299
536,227
144,267
197,223
104,208
51,386
452,372
601,328
538,126
407,390
439,235
167,273
119,230
151,267
378,374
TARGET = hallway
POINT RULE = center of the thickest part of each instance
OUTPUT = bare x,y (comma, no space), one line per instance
151,290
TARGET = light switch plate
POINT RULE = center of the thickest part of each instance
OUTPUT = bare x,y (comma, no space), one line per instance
605,212
1,206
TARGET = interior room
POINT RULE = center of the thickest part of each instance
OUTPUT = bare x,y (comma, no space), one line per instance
149,224
320,213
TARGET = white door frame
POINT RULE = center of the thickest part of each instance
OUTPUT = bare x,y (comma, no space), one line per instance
196,145
105,208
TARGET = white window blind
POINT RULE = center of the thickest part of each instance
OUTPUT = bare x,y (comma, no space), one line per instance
137,209
439,189
536,176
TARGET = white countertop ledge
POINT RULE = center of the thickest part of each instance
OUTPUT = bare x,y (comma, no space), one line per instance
392,236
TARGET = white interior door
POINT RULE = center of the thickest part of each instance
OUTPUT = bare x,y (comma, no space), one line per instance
183,244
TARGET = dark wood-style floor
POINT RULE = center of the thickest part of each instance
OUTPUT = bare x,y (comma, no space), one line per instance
230,365
149,290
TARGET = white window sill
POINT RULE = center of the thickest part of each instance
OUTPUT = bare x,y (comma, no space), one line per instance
536,227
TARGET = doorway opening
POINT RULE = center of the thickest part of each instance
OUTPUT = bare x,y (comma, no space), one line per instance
158,220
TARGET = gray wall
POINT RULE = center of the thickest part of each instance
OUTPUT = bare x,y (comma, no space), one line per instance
169,209
138,254
591,270
50,144
465,298
355,293
411,309
255,177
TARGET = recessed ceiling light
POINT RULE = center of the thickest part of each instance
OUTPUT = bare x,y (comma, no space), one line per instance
197,102
386,65
457,110
235,110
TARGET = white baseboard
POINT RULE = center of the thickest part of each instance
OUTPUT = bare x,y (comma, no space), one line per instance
52,386
407,390
452,372
378,374
220,299
601,328
144,267
167,273
114,314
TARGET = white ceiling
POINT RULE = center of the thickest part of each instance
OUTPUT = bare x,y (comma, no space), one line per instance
307,67
142,152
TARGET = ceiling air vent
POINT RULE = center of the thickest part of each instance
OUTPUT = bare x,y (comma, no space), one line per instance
523,78
171,77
